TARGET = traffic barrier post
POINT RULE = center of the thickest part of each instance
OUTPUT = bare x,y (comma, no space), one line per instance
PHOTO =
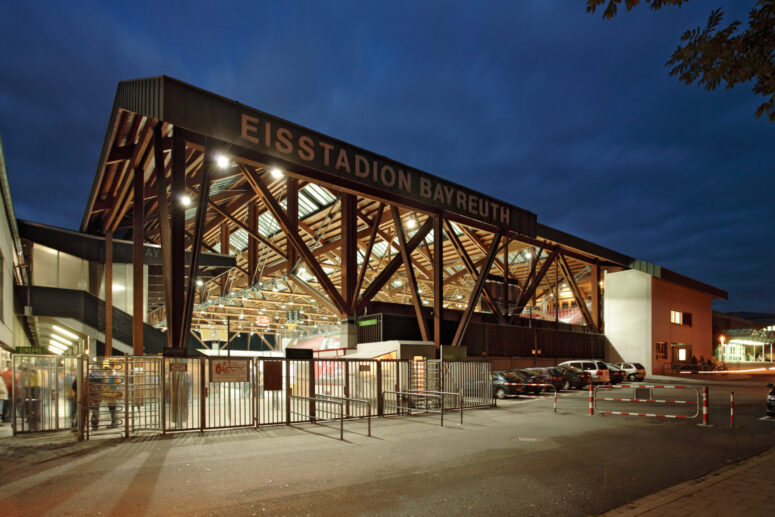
731,409
591,399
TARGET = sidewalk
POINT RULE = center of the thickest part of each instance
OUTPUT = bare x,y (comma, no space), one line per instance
740,489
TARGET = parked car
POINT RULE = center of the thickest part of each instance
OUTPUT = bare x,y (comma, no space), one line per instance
598,370
531,377
506,383
634,371
771,400
553,375
617,374
574,378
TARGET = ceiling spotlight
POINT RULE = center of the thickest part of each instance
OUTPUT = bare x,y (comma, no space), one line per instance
185,200
412,222
460,296
199,282
242,315
221,161
275,288
276,173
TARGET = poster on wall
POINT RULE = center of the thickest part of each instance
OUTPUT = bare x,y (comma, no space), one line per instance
229,370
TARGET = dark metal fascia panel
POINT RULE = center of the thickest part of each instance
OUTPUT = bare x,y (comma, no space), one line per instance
144,96
677,278
92,247
582,245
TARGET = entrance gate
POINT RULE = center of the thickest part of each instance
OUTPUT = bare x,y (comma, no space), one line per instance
42,394
134,394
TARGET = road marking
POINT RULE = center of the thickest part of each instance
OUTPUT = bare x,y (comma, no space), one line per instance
768,418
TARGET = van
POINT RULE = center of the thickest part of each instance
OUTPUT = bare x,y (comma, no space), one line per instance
598,370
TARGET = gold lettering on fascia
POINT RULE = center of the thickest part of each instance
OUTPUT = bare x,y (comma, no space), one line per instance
343,160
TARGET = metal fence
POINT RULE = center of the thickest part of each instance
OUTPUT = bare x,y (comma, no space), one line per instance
42,393
134,394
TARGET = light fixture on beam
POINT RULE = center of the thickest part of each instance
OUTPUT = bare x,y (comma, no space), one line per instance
185,200
222,161
276,173
64,331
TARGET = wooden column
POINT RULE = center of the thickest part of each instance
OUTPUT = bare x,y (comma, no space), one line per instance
164,220
438,280
349,249
506,277
252,242
556,294
109,294
175,313
594,278
138,234
225,235
292,210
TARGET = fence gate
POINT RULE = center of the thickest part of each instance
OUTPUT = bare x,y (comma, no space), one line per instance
228,386
106,399
144,391
42,395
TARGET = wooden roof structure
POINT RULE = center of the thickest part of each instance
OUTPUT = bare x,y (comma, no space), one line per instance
318,228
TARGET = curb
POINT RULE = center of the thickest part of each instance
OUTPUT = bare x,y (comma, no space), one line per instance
668,495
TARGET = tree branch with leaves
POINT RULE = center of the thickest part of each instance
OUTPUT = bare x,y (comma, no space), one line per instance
715,55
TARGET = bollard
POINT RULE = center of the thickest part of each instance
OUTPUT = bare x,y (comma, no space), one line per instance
591,394
555,400
731,409
705,405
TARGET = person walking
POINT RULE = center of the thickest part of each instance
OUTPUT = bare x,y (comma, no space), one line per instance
7,376
4,399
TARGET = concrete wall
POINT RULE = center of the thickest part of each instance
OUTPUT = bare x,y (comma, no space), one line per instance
627,309
698,337
7,315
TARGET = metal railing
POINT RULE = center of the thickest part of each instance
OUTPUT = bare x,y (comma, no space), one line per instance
443,394
426,397
312,414
650,399
346,401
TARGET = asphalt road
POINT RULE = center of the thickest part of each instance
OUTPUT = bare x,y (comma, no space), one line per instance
520,458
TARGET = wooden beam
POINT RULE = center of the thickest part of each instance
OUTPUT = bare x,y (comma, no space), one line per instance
252,242
196,246
530,289
438,280
292,209
349,250
109,294
387,272
580,302
250,232
477,290
311,291
595,290
367,255
411,280
164,223
138,234
469,264
276,210
473,238
178,241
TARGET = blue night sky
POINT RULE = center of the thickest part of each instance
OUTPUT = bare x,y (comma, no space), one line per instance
534,102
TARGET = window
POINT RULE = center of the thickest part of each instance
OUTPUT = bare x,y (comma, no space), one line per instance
662,350
681,318
682,354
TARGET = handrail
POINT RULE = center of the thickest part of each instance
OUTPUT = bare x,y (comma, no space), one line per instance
452,393
416,394
341,410
351,399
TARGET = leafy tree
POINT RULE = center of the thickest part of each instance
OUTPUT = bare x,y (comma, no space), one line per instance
713,55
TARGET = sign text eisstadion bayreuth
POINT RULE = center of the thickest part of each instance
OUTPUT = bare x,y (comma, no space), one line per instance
211,115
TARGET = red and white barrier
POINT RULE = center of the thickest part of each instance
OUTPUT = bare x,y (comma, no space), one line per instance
541,396
731,409
705,405
593,398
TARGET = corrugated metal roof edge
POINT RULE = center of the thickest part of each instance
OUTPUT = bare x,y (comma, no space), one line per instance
654,270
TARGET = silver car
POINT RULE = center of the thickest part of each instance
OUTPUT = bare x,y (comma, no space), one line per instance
598,370
634,371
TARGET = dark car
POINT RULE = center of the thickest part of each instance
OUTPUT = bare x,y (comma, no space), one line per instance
771,400
506,383
531,377
553,375
617,374
574,378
